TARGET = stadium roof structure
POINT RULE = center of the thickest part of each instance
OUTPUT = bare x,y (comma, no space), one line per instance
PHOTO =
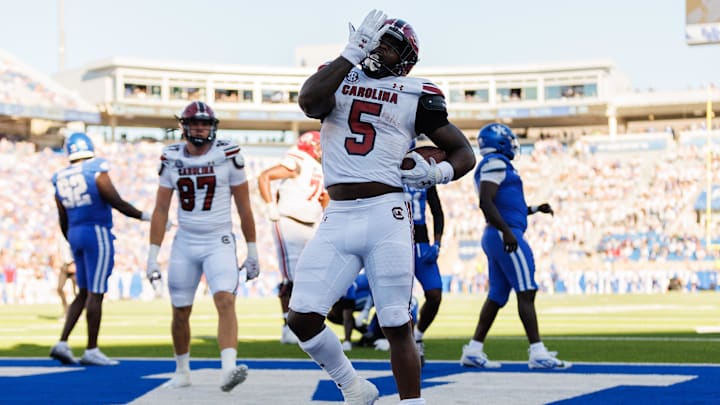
148,93
27,93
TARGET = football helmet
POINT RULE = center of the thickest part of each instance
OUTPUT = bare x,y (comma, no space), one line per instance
79,146
309,142
497,137
198,111
402,38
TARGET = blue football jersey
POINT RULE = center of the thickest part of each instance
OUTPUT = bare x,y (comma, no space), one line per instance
418,201
76,189
359,291
510,199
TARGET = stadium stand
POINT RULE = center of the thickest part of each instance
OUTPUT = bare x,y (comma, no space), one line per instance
627,212
21,86
623,223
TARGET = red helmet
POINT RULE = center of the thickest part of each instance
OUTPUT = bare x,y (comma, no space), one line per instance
309,142
198,111
409,50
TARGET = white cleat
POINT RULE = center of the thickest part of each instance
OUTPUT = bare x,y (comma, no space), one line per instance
360,392
547,361
288,337
476,358
97,358
63,354
347,346
179,380
235,377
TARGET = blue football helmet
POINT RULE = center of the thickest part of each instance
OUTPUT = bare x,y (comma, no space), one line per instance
79,146
498,138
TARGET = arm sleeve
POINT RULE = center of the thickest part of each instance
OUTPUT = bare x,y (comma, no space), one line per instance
291,161
493,171
102,165
431,113
164,174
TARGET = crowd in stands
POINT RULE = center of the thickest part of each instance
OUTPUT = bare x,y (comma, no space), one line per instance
20,85
623,222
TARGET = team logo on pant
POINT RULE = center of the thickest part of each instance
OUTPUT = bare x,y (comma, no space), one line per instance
225,239
398,213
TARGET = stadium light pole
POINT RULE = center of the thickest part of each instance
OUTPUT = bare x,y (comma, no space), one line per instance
61,35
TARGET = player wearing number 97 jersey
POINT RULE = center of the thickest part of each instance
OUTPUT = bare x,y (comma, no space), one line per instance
85,197
207,175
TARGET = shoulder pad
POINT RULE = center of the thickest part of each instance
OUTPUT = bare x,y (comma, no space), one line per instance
431,88
230,149
238,160
433,102
170,151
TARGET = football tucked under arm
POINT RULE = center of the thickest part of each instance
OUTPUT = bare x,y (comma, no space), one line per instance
426,152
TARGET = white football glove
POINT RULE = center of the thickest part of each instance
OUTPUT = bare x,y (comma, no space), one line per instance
361,319
366,38
153,267
251,264
426,174
271,210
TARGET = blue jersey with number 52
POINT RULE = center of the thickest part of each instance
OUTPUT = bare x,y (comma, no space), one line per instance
76,189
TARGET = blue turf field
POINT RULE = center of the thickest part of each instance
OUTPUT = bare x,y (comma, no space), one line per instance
297,382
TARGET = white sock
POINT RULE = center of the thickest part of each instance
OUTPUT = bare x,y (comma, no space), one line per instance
412,401
92,351
325,349
418,334
62,343
228,359
182,363
475,345
537,347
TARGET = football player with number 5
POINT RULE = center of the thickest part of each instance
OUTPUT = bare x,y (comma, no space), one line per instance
207,174
370,112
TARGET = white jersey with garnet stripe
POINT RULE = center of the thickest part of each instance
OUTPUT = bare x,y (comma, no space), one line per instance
298,197
203,185
367,134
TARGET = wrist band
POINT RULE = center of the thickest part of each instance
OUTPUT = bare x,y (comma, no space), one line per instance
446,171
153,252
252,249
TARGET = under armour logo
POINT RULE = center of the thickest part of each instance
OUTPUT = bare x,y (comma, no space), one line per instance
398,86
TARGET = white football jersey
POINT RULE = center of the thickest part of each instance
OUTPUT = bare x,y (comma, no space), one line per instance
298,197
367,134
203,185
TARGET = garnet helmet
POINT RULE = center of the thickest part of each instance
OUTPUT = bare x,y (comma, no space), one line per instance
198,111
